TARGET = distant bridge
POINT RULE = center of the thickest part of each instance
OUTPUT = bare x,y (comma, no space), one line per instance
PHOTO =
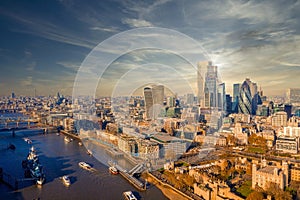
10,110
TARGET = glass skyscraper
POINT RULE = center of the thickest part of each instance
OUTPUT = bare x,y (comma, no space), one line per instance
248,98
154,100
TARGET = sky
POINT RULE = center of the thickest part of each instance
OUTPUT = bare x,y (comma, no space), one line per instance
44,44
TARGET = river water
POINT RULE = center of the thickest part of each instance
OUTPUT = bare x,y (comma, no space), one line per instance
61,158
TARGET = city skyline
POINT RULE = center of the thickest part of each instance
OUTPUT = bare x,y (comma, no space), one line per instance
44,43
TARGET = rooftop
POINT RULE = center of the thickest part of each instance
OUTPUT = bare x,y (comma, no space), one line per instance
268,169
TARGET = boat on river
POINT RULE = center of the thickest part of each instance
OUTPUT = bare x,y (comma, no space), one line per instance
128,195
84,165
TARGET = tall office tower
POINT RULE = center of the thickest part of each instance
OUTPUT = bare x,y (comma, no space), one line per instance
228,104
248,98
293,95
190,99
245,99
200,82
236,90
221,98
158,94
170,101
210,85
288,110
154,100
13,95
148,102
235,97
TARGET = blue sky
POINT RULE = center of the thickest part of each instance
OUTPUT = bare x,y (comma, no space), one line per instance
43,43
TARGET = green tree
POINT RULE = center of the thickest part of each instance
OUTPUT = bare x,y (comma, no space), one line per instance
255,195
278,193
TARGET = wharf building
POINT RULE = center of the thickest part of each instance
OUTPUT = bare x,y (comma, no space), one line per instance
170,147
140,148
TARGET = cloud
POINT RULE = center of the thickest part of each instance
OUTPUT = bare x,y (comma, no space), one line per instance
31,66
27,53
27,81
135,23
97,28
74,66
143,8
45,29
258,39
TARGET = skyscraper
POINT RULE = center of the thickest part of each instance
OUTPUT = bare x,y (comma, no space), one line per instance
190,99
236,90
221,98
211,82
293,95
148,101
13,95
154,100
248,97
228,104
200,82
235,98
158,94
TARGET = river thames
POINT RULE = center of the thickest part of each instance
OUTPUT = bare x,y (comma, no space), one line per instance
61,158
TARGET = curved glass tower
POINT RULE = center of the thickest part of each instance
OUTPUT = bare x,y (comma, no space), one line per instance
245,99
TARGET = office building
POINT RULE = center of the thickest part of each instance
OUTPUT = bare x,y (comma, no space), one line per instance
287,144
235,98
228,104
170,101
148,102
279,119
245,99
293,95
236,91
248,98
221,98
295,173
154,101
211,86
158,94
200,82
190,99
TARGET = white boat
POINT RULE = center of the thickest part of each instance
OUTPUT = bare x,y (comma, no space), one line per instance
27,140
80,143
128,195
89,152
66,180
40,181
84,165
113,170
67,139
